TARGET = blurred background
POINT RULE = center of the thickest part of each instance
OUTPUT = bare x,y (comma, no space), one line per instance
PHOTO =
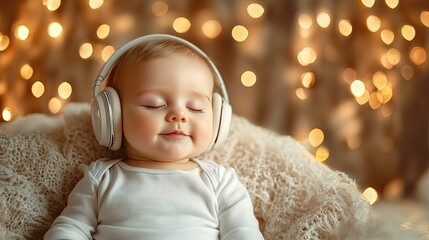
348,79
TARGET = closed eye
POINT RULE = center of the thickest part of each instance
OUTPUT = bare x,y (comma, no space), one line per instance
196,110
150,107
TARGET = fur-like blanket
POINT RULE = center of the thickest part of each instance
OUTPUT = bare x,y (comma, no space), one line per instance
294,196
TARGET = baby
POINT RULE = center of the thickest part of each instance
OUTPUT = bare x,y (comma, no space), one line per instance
163,106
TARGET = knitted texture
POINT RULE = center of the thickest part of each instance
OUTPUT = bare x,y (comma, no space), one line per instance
294,196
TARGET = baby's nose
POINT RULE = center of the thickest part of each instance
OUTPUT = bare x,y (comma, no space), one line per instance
176,116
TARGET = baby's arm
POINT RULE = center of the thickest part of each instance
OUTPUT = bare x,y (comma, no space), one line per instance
79,219
236,217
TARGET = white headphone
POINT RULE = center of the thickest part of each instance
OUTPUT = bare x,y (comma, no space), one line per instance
106,106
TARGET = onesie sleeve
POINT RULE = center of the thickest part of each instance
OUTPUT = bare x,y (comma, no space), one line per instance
79,218
236,217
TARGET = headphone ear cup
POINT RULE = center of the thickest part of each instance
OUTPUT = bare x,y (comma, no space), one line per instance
106,118
222,113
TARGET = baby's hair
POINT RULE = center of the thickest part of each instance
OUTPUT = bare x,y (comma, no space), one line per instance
149,51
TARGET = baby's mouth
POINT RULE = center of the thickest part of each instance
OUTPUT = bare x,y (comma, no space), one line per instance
175,134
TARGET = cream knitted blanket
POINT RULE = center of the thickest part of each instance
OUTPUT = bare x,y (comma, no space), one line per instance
294,196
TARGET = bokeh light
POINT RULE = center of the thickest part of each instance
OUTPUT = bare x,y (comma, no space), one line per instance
323,19
52,5
368,3
308,79
240,33
54,105
26,71
159,8
103,31
95,4
316,137
408,32
373,23
4,42
358,88
211,29
255,10
418,55
85,50
181,24
107,52
371,195
7,114
322,154
305,21
307,56
64,90
387,36
345,27
38,89
248,78
22,32
55,29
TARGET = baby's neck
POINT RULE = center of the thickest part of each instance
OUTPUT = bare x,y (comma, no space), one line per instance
184,164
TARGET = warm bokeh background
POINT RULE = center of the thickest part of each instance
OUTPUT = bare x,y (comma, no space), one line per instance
347,78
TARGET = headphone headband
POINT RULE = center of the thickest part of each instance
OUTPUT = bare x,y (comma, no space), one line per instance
152,37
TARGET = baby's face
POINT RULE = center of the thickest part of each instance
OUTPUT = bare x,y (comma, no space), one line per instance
167,108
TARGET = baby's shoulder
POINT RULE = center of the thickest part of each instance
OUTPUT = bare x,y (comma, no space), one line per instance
215,170
100,166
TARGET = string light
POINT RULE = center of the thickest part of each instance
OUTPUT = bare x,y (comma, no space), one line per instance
418,55
308,79
322,154
380,80
408,32
64,90
392,3
26,71
95,4
316,137
357,88
387,36
368,3
159,8
349,75
37,89
306,56
22,32
301,93
255,10
211,28
7,114
54,105
407,72
393,56
181,24
55,29
345,27
364,98
323,19
248,78
52,5
240,33
4,42
371,195
424,18
107,52
85,50
374,100
103,31
373,23
305,21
